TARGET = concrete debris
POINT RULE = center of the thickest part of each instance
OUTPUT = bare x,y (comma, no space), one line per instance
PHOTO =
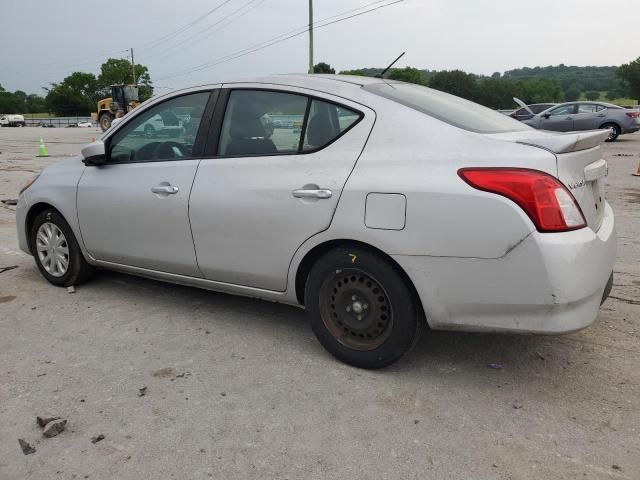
97,438
26,447
10,201
496,366
142,391
42,420
53,428
71,289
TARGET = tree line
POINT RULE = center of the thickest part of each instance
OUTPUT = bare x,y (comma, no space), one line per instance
531,85
78,93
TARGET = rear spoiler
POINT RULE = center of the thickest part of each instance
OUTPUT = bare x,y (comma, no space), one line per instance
568,142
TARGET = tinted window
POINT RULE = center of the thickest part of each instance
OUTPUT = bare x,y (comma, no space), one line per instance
260,122
587,108
166,131
563,110
326,122
453,110
540,108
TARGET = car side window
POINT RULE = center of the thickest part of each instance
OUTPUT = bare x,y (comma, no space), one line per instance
262,122
563,110
587,108
326,122
166,131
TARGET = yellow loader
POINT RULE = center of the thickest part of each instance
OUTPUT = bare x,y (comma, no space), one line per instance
124,98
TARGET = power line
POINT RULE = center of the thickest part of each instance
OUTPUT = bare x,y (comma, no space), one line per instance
278,39
152,55
30,69
183,28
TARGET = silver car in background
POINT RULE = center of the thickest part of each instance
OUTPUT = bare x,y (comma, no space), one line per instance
380,206
575,116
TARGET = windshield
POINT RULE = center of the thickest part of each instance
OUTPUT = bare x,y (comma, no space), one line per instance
453,110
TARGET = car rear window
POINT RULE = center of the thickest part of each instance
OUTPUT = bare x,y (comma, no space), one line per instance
453,110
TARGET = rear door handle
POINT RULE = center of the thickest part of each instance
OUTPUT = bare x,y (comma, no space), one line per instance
167,189
319,193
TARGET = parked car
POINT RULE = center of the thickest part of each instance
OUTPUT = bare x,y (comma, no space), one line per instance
85,124
575,116
394,207
525,113
12,121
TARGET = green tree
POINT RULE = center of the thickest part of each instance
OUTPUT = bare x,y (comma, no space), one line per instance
407,74
118,71
496,92
455,82
323,68
540,90
629,73
592,95
75,95
572,93
360,72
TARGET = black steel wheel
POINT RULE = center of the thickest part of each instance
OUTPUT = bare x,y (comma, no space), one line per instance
355,309
361,307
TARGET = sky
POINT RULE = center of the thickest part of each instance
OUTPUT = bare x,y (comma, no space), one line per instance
46,40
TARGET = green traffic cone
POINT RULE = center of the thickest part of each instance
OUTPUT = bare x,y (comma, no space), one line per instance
42,149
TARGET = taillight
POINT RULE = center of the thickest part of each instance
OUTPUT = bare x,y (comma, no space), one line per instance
632,114
547,202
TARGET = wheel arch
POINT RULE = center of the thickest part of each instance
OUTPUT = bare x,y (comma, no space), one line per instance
611,122
35,210
310,258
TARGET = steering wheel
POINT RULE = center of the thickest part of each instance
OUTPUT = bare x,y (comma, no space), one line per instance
168,150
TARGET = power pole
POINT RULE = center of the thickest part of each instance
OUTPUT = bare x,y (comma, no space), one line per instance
133,68
310,36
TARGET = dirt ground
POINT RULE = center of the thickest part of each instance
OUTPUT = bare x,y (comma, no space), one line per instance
238,388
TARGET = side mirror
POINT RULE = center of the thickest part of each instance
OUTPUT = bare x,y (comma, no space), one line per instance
546,115
94,153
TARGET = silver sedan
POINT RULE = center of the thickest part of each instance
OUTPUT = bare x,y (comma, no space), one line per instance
381,207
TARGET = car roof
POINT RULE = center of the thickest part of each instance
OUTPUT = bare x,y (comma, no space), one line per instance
341,85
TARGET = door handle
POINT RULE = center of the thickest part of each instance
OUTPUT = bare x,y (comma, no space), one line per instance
168,189
569,118
319,193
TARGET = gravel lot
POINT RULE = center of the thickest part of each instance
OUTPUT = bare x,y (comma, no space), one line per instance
238,388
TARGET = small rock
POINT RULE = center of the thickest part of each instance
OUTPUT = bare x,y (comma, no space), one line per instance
97,438
223,394
540,356
415,422
207,332
53,428
71,289
142,391
26,447
614,466
42,420
517,406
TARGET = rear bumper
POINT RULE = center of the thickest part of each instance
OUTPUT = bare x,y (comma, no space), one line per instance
549,283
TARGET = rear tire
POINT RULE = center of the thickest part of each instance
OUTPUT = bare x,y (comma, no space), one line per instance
614,131
105,121
361,308
51,237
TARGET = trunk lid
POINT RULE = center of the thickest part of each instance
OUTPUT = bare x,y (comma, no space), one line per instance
579,162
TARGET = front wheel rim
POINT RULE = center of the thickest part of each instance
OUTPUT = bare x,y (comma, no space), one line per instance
613,132
356,309
53,249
